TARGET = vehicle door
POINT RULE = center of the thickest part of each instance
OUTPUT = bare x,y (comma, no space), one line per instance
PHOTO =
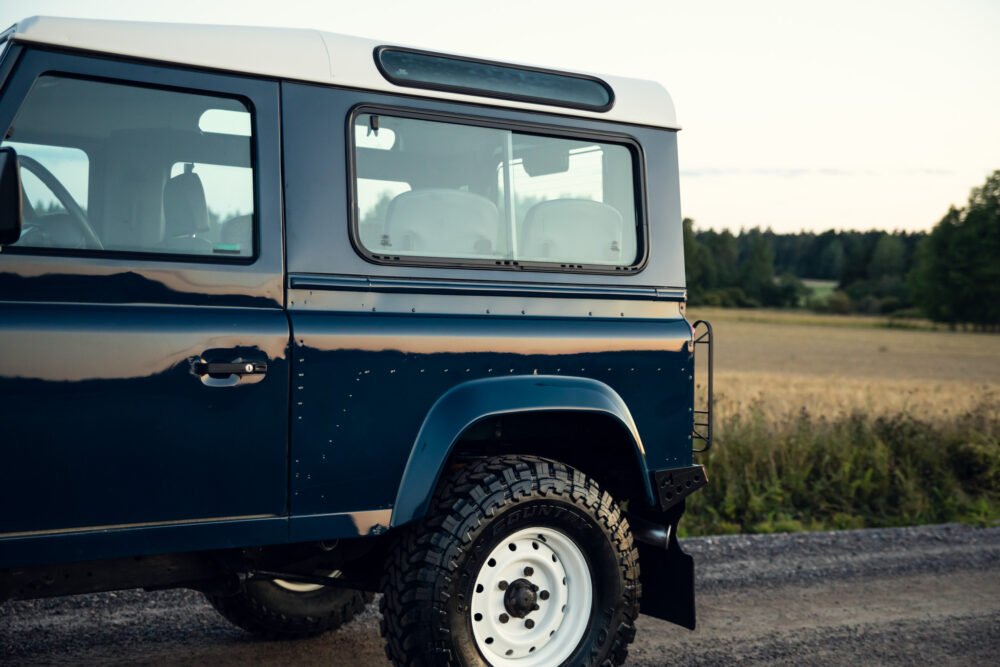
143,362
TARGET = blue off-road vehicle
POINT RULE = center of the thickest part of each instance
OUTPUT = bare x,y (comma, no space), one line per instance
290,318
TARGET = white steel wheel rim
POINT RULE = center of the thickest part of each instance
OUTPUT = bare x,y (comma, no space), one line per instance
549,560
299,587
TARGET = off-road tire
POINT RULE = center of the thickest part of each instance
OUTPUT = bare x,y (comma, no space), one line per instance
269,611
432,569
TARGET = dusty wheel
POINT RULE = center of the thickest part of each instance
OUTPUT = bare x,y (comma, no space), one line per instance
288,610
521,562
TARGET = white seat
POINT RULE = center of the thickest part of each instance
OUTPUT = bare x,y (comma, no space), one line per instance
577,231
449,223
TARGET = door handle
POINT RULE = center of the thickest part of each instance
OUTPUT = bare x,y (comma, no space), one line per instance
233,368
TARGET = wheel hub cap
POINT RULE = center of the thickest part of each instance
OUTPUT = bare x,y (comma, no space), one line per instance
520,598
532,599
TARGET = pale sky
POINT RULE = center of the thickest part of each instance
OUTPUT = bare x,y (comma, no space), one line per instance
797,115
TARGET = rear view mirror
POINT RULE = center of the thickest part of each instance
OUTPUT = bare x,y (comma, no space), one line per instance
544,161
10,197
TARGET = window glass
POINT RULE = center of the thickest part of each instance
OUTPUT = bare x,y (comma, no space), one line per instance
367,137
221,121
229,198
70,166
376,196
452,191
112,167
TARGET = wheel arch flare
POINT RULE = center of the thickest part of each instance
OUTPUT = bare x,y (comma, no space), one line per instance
470,403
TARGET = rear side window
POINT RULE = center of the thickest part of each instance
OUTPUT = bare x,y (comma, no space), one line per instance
467,193
113,168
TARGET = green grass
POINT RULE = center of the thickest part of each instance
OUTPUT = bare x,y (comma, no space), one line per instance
819,289
859,471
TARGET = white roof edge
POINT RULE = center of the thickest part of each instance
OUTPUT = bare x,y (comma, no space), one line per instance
306,55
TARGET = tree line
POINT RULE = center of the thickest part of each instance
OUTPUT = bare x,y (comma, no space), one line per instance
950,274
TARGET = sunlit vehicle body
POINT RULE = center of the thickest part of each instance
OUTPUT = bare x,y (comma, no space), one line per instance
290,317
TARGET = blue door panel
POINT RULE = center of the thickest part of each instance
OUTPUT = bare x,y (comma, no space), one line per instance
363,384
105,423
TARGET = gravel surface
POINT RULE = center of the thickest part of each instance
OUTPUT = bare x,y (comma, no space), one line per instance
904,596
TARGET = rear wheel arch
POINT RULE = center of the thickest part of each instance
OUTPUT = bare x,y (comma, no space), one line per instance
595,443
581,422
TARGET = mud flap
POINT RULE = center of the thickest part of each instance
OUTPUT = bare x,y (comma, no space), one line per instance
667,577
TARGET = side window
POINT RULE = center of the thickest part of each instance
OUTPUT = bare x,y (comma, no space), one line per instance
120,168
444,190
564,207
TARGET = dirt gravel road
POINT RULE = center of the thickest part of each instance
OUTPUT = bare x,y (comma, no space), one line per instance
909,596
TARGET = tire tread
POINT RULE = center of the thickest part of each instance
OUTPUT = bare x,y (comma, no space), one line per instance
248,612
422,565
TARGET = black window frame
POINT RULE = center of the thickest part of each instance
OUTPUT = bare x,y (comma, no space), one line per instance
486,92
5,42
150,83
8,55
540,129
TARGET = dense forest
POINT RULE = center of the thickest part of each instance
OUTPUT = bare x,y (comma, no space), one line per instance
950,274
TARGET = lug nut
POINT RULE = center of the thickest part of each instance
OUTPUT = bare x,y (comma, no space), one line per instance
529,624
544,595
504,618
503,585
528,571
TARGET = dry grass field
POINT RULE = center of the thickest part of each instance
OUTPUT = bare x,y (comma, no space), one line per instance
846,422
833,365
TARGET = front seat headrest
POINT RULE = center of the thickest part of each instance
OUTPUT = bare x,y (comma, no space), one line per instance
436,221
185,211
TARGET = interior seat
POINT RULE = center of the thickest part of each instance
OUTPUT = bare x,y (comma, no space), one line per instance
578,231
185,213
442,222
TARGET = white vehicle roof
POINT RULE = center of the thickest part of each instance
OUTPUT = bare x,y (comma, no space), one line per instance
304,55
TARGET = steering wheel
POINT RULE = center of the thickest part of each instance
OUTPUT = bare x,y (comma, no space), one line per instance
76,213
